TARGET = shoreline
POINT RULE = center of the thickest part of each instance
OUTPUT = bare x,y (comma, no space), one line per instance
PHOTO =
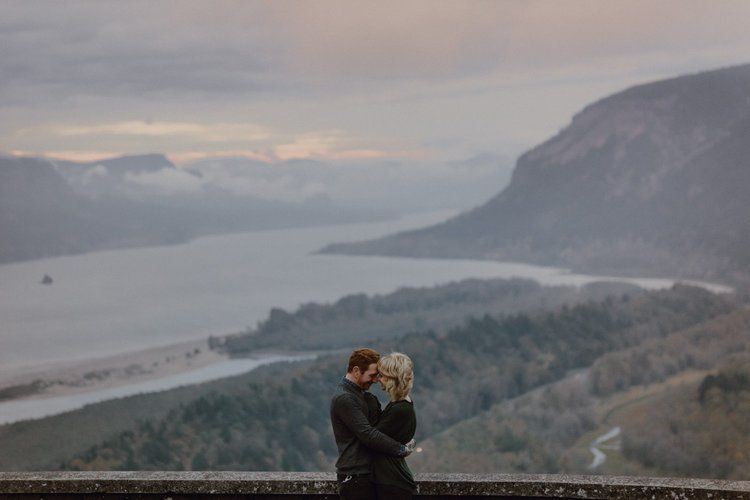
77,377
33,408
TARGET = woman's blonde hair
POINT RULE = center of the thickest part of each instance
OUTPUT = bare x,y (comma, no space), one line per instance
396,375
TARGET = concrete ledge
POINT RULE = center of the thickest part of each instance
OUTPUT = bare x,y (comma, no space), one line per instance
323,485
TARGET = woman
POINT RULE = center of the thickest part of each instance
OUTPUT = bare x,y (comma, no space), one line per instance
391,475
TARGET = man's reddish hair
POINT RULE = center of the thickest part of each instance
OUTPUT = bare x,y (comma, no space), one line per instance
362,358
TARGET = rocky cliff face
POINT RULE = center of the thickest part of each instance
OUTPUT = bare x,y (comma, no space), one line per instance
652,179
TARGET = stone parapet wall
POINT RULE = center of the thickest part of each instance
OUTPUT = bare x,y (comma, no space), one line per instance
299,485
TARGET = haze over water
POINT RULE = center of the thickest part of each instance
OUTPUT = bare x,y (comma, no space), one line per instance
104,303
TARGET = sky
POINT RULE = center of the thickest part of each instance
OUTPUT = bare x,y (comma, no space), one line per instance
335,81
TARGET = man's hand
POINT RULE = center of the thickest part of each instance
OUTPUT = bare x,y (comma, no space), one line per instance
410,447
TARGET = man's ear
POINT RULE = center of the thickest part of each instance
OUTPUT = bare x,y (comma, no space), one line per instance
356,371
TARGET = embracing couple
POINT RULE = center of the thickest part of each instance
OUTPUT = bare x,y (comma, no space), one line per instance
373,442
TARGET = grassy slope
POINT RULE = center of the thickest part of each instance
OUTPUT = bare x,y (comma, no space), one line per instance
621,409
551,428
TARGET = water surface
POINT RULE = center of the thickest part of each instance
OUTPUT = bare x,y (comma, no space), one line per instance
104,303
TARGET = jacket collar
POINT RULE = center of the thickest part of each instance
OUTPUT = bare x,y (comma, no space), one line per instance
350,385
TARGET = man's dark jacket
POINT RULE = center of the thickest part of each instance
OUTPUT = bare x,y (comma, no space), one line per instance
353,414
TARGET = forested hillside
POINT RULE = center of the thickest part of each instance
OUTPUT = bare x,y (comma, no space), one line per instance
681,402
281,422
358,318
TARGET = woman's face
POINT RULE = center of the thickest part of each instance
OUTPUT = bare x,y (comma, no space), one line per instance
381,379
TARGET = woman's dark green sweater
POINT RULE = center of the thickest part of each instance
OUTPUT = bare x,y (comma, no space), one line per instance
398,421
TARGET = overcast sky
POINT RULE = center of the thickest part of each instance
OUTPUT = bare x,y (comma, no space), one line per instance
334,80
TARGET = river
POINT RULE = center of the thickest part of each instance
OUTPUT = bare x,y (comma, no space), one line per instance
110,302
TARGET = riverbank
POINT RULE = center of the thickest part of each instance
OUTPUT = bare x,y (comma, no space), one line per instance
71,378
40,407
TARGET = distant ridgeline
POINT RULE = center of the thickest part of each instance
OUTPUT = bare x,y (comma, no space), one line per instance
534,388
654,179
50,208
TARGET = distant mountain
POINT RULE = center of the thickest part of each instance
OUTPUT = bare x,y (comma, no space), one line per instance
148,177
41,215
121,165
401,186
56,208
653,179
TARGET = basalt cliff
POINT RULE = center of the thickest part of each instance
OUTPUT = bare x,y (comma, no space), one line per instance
654,179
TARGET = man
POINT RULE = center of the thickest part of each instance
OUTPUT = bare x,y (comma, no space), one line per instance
354,411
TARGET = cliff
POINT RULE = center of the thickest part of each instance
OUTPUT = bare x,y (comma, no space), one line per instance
652,179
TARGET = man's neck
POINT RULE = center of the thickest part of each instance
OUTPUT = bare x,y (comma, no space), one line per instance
350,378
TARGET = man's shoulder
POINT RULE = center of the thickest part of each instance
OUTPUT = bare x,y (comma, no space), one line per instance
342,394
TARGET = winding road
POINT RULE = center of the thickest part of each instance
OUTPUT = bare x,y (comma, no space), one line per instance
599,456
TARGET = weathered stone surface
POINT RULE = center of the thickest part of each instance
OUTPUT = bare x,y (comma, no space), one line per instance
567,486
315,484
209,483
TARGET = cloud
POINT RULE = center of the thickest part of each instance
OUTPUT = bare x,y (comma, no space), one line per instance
330,145
97,171
70,155
191,156
285,188
211,132
270,145
92,49
167,181
428,40
310,145
242,48
415,184
481,74
245,176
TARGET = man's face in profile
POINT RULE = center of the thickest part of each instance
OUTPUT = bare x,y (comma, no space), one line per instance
368,377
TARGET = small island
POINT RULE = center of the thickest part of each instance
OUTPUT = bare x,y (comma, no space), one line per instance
47,280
